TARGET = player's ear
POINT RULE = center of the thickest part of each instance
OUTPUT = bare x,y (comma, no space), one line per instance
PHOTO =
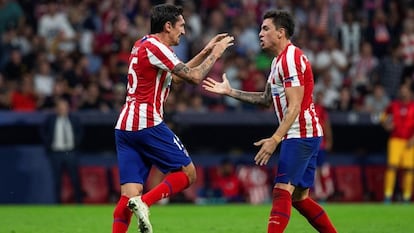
168,26
280,32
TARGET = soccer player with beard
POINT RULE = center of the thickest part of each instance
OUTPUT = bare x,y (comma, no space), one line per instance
289,87
142,137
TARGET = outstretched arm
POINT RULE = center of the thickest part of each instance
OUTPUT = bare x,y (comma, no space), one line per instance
196,74
199,58
260,98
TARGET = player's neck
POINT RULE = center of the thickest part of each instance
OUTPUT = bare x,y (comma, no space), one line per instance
281,46
163,38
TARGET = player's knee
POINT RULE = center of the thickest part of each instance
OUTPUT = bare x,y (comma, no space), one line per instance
300,194
192,177
190,171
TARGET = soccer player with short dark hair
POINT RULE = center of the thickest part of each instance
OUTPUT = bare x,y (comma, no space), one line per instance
142,137
289,87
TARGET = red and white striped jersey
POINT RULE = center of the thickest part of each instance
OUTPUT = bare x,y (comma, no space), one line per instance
292,69
149,81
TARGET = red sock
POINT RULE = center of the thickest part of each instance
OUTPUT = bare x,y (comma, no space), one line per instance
122,216
315,215
172,184
280,213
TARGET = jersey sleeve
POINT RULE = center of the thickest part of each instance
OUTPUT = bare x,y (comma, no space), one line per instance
161,56
296,63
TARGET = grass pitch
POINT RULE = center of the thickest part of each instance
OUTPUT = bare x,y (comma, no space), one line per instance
173,218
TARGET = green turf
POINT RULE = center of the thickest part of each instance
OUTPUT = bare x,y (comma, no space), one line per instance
348,218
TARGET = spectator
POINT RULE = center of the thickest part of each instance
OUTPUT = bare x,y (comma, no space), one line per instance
396,16
236,69
308,44
332,59
301,11
378,33
140,27
15,68
376,102
92,99
43,79
225,183
318,20
248,42
407,46
362,68
119,97
390,70
105,84
60,91
196,104
350,34
330,92
193,22
335,8
11,15
24,98
55,27
345,103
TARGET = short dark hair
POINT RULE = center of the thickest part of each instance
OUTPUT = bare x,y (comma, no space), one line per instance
281,19
163,13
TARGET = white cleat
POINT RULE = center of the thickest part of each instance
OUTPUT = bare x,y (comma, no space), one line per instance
141,211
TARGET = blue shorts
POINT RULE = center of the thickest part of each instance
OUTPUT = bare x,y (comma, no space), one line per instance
139,150
321,157
297,161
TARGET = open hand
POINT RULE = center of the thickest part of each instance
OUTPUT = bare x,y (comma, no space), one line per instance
212,85
213,41
221,45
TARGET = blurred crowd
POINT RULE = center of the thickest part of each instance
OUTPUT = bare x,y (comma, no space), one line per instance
361,51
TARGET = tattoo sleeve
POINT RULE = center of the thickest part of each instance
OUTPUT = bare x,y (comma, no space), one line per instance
206,66
196,74
259,98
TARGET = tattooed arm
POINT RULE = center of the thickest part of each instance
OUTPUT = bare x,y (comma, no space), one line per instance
201,56
196,74
259,98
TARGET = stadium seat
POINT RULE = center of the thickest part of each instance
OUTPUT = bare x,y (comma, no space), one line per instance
374,180
94,182
348,183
